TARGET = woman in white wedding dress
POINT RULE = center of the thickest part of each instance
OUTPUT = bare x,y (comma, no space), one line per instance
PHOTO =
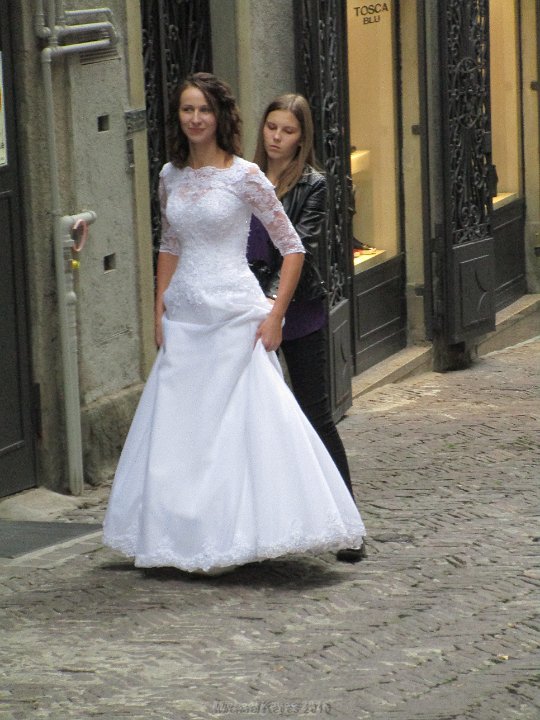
220,466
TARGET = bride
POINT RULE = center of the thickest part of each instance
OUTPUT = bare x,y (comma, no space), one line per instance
220,466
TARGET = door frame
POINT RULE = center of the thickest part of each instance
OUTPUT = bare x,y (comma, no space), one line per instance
509,220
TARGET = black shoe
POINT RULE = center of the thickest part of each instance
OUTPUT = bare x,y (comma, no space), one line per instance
352,555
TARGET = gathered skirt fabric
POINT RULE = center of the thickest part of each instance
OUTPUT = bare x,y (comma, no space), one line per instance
220,466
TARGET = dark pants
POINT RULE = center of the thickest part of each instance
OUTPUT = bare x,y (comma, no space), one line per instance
306,360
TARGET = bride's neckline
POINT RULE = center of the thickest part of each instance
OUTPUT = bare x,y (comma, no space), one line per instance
212,167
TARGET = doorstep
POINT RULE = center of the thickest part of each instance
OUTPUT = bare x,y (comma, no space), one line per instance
410,361
516,323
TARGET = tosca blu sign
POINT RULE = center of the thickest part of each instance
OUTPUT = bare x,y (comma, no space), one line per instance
371,13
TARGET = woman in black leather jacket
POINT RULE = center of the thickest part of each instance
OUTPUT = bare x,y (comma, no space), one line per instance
285,154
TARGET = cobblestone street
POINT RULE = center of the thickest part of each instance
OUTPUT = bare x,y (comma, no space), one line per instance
440,622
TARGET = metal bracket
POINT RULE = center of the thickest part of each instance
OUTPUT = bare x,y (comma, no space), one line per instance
135,120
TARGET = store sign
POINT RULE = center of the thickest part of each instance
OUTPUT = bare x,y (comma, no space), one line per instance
3,140
372,12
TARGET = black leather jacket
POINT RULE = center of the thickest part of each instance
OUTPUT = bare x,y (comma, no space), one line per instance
305,205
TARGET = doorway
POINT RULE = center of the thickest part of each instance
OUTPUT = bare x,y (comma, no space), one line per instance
17,456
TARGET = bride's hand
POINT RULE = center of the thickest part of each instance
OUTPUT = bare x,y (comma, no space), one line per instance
158,331
270,332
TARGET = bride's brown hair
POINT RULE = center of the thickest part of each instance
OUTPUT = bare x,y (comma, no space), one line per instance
305,155
219,96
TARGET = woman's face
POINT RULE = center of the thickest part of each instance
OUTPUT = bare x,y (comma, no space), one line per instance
282,135
197,119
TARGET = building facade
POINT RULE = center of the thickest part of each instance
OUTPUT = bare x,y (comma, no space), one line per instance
427,118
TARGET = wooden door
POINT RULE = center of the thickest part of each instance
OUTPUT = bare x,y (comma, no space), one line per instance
17,461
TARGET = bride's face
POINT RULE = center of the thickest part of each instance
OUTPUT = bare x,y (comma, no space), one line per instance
197,118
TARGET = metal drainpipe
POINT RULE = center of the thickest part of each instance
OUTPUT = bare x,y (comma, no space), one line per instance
69,14
55,31
62,237
39,21
86,28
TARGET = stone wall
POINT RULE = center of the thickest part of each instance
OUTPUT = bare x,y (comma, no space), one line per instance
99,170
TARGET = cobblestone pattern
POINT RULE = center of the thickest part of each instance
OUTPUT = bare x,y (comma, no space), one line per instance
439,623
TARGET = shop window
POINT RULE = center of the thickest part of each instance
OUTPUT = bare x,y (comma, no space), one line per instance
505,99
373,131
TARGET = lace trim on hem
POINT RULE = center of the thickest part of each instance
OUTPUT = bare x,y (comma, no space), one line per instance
237,556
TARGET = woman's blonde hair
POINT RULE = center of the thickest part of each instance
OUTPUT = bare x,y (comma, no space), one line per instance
299,107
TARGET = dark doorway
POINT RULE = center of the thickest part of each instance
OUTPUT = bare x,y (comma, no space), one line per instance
17,461
176,42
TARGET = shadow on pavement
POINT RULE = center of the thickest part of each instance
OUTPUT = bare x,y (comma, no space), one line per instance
287,574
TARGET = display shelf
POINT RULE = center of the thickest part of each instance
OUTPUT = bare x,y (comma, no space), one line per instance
366,260
504,198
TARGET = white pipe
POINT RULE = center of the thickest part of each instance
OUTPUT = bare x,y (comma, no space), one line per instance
77,47
88,27
51,22
70,355
69,14
62,227
57,18
39,21
60,14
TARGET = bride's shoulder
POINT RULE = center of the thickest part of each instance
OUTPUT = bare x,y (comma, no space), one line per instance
244,167
166,170
169,172
248,172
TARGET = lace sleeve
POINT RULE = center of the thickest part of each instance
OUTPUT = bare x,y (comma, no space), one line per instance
168,242
258,193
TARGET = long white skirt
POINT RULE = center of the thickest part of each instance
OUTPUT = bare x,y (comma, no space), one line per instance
220,466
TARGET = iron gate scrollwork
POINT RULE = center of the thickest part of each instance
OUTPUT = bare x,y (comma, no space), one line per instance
321,69
320,77
469,177
176,42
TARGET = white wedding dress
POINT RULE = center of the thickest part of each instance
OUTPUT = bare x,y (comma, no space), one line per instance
220,466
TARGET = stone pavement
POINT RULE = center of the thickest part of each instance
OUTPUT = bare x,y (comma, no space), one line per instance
439,623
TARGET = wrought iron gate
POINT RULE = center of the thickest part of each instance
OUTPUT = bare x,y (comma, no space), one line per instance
322,77
465,237
176,42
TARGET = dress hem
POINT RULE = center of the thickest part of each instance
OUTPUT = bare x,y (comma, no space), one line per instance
164,559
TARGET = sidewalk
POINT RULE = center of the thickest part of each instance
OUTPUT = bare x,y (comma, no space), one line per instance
439,623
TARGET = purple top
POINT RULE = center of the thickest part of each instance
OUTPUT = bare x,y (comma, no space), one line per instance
302,317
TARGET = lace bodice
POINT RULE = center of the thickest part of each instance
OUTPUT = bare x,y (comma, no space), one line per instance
205,221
